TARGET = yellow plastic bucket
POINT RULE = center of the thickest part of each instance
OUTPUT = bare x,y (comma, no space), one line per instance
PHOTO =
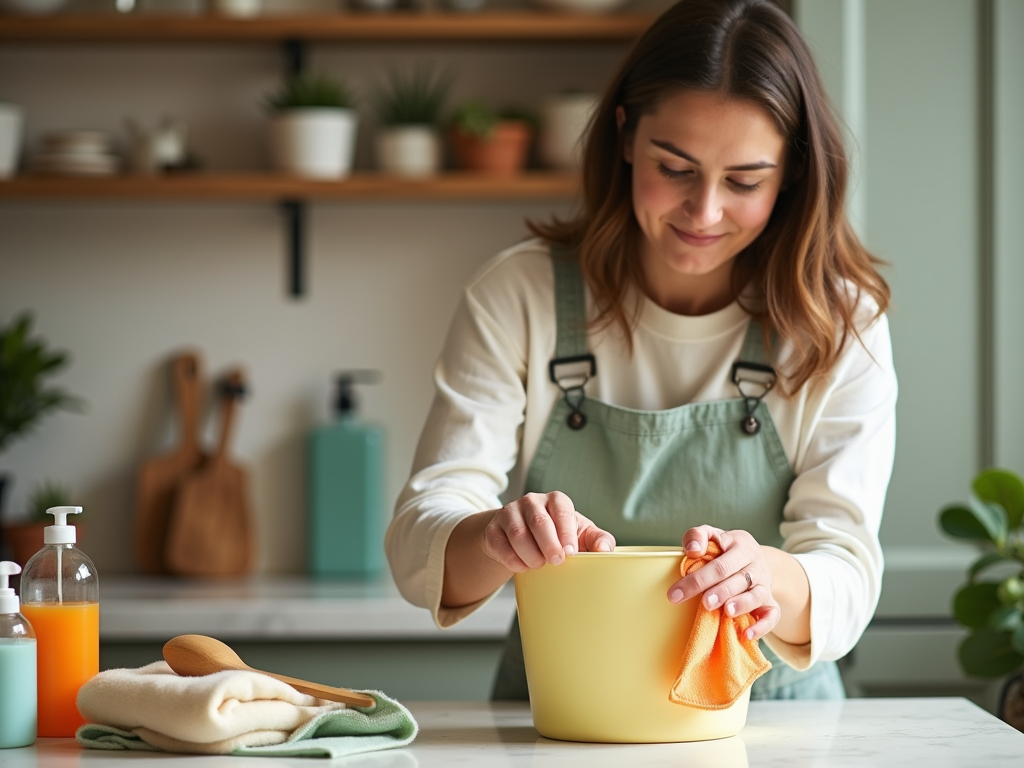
603,646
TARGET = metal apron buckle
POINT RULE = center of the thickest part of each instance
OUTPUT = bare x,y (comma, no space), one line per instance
762,376
571,383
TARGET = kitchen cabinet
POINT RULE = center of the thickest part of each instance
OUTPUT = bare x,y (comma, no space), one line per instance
293,33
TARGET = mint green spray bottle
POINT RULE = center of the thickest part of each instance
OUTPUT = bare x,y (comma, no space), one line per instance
345,489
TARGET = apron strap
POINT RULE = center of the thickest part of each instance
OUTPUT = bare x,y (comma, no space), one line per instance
570,306
573,365
753,350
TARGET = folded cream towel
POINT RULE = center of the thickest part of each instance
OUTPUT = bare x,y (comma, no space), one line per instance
229,712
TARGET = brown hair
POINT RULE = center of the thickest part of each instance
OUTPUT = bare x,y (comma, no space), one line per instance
808,258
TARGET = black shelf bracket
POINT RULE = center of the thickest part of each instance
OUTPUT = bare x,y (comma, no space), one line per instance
294,57
295,210
295,214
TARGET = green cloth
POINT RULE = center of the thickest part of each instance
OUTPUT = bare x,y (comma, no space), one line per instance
339,733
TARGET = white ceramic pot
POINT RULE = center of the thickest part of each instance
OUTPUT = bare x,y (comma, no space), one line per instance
411,150
563,123
238,8
315,142
11,121
32,7
465,6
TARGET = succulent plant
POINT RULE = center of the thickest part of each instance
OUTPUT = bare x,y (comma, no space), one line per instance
414,99
48,493
475,118
310,90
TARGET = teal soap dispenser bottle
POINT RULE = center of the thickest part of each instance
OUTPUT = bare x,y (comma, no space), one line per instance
18,706
345,489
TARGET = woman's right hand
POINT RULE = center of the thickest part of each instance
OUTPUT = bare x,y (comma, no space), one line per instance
541,528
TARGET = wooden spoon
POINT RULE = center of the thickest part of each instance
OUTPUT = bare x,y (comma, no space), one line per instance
198,655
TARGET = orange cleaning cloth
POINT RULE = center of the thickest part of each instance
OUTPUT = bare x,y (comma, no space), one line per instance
718,664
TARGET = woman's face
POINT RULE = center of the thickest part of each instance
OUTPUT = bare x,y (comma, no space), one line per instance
707,170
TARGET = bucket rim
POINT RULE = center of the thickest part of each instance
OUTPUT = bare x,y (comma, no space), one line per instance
635,551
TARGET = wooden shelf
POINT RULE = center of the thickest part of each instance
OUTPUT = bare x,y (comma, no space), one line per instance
533,185
352,27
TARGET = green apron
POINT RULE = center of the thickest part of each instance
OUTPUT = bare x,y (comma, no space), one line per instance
647,476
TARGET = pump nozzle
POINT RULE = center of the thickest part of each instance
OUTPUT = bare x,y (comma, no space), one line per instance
345,403
60,532
9,602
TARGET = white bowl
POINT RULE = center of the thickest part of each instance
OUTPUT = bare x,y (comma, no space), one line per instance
580,6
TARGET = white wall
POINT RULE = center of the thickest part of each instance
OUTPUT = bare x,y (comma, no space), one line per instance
124,285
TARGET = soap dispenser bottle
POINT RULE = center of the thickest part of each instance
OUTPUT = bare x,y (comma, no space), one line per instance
17,667
60,595
345,524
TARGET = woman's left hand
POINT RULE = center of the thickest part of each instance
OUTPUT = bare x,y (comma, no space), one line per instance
722,582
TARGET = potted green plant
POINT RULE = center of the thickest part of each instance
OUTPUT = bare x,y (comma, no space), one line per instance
26,536
491,141
26,362
991,603
409,111
313,126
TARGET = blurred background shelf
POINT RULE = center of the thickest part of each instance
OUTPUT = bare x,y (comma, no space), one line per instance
533,185
355,27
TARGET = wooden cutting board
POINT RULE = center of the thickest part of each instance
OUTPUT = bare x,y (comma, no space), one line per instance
211,531
158,478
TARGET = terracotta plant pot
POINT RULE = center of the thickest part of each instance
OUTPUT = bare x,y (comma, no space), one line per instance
503,153
24,540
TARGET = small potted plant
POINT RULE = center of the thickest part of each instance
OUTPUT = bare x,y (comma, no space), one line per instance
409,111
491,141
992,607
25,398
313,127
26,536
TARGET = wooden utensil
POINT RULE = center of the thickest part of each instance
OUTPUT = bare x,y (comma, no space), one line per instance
198,655
158,478
211,532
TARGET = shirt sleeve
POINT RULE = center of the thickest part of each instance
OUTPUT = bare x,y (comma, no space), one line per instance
467,448
832,517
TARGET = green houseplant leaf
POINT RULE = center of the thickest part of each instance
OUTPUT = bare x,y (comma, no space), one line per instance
993,610
987,653
987,561
1006,618
973,603
1002,487
25,363
979,521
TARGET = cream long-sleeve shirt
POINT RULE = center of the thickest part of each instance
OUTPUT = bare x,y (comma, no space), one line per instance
493,399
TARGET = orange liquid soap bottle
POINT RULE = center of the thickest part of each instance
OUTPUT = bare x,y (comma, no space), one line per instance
60,596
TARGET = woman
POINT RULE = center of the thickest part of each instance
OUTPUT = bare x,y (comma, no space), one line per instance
700,354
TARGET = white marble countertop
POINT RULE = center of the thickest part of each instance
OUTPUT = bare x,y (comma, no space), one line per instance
861,733
918,583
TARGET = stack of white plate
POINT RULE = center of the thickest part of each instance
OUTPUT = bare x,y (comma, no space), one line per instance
75,153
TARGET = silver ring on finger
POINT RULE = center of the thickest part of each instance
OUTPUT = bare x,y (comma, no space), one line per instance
750,581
